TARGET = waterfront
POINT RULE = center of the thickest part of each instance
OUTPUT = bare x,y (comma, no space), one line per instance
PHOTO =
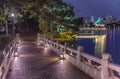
104,43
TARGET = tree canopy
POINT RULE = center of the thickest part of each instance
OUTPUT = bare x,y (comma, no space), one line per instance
52,15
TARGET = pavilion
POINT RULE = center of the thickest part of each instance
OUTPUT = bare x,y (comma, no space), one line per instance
99,22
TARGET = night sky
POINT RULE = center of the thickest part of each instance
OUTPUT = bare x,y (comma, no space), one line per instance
95,8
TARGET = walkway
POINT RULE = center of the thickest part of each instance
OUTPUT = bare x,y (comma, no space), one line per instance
37,62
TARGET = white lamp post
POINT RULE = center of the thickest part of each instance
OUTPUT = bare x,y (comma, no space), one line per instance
13,15
6,26
6,23
62,56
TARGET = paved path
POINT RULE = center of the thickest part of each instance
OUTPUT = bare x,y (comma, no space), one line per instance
37,62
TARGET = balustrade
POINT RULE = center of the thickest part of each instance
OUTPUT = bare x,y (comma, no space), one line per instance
8,54
102,68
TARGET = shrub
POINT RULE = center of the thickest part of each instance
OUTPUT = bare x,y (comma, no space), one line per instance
4,40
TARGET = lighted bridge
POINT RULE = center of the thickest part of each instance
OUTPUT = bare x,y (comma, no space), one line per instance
30,59
36,62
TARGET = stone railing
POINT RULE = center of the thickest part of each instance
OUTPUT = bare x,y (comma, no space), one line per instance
93,66
8,55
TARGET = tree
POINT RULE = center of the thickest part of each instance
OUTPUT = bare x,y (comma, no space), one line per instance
62,13
68,35
2,20
79,21
50,14
36,9
8,7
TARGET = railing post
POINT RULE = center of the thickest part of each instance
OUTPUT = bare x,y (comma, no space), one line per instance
47,40
62,55
17,44
57,44
65,46
52,42
105,71
38,35
38,38
18,37
44,39
80,49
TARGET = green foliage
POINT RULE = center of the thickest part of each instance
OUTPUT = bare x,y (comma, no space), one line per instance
5,12
79,21
49,12
53,16
62,13
60,28
4,41
68,35
2,18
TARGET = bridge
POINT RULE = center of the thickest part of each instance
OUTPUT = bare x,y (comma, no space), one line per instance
38,57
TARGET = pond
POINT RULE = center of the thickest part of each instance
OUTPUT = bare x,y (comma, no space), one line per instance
96,45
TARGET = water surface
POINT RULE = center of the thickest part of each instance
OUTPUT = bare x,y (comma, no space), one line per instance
105,43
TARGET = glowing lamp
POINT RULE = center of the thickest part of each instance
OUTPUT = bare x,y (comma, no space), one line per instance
62,57
46,45
16,54
12,15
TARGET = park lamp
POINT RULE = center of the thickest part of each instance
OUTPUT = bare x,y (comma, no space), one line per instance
62,56
16,54
46,45
12,14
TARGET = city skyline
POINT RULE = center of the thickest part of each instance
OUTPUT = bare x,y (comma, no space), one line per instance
97,8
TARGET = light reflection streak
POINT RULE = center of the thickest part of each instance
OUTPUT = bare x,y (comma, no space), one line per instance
100,42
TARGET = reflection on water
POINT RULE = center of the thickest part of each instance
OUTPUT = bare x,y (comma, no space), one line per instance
93,44
113,45
103,43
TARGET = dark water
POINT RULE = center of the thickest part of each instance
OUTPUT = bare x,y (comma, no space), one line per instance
98,44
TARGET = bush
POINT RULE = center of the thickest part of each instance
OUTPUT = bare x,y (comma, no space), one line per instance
67,36
4,40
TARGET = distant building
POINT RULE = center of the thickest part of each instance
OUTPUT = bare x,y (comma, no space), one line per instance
86,21
109,19
92,19
99,22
